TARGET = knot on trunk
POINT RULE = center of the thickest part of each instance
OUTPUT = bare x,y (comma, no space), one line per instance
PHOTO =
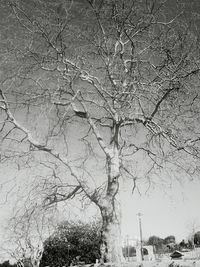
115,179
113,186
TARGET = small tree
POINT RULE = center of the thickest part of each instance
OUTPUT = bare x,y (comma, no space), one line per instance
183,245
156,242
71,240
169,239
27,232
193,227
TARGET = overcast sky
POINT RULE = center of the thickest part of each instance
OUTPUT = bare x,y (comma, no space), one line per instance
171,213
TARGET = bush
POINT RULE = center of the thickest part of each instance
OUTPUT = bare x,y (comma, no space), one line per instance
73,241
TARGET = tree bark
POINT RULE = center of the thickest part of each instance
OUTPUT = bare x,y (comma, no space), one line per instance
36,258
35,262
111,241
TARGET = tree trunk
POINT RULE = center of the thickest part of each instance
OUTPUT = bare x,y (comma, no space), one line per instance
35,262
37,256
111,242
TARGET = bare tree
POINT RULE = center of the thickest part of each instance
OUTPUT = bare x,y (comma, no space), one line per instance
192,227
96,91
26,233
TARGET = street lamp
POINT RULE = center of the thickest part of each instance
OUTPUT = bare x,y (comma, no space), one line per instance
140,227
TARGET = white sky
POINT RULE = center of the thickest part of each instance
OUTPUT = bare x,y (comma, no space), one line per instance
171,213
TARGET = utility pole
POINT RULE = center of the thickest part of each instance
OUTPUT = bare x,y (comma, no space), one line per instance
141,241
127,243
